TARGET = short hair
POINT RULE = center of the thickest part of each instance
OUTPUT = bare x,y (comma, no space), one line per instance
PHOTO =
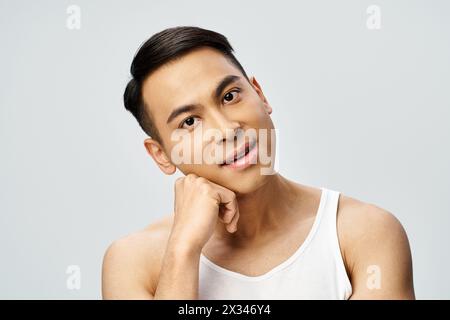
160,49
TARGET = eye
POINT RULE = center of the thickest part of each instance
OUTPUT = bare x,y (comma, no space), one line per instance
189,122
230,96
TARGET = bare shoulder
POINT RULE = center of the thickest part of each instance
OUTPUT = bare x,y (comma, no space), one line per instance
131,264
372,236
362,223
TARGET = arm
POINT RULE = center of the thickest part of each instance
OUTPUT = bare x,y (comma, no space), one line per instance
127,275
379,256
131,264
179,274
122,272
136,268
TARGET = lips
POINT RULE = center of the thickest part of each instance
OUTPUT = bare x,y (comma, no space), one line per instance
240,152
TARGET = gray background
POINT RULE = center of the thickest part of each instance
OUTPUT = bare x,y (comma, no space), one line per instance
365,112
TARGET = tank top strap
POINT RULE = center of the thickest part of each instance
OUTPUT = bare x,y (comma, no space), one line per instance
329,235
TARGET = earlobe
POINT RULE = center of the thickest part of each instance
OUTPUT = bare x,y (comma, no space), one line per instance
155,150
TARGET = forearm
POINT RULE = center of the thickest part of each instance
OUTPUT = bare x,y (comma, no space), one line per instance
179,273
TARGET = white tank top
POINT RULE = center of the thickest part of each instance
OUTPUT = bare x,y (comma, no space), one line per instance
315,271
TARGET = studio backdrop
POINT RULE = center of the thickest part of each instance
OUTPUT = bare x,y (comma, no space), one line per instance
360,92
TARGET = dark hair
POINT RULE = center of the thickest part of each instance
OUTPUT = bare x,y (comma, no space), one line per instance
161,48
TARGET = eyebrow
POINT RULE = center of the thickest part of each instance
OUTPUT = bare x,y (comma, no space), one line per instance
226,81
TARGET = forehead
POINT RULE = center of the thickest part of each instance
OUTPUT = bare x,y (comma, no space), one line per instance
186,79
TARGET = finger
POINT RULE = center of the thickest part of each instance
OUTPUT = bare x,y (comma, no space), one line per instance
228,199
222,211
225,214
232,227
228,209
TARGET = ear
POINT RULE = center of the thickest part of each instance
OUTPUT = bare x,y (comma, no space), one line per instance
258,90
156,151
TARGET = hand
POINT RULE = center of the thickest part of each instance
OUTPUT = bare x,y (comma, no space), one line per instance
198,204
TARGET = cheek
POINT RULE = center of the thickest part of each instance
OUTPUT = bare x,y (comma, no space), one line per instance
209,172
254,109
258,117
200,161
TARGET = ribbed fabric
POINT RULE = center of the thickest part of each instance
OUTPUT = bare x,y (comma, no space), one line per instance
315,271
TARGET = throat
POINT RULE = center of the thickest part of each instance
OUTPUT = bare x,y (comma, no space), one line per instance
260,213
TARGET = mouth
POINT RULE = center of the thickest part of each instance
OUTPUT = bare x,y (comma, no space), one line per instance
242,158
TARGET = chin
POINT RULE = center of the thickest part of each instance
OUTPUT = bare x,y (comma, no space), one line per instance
243,182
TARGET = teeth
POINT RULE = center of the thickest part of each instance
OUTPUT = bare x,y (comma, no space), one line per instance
243,154
247,150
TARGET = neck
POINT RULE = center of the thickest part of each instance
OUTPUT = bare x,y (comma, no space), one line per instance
261,211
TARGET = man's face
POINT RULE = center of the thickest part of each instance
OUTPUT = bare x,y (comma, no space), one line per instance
221,100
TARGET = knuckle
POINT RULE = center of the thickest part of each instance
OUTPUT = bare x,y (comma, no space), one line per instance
191,176
205,188
200,180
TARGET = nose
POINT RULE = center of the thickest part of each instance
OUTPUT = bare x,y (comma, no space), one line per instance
229,129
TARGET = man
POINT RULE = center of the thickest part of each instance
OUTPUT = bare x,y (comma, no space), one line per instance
237,230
